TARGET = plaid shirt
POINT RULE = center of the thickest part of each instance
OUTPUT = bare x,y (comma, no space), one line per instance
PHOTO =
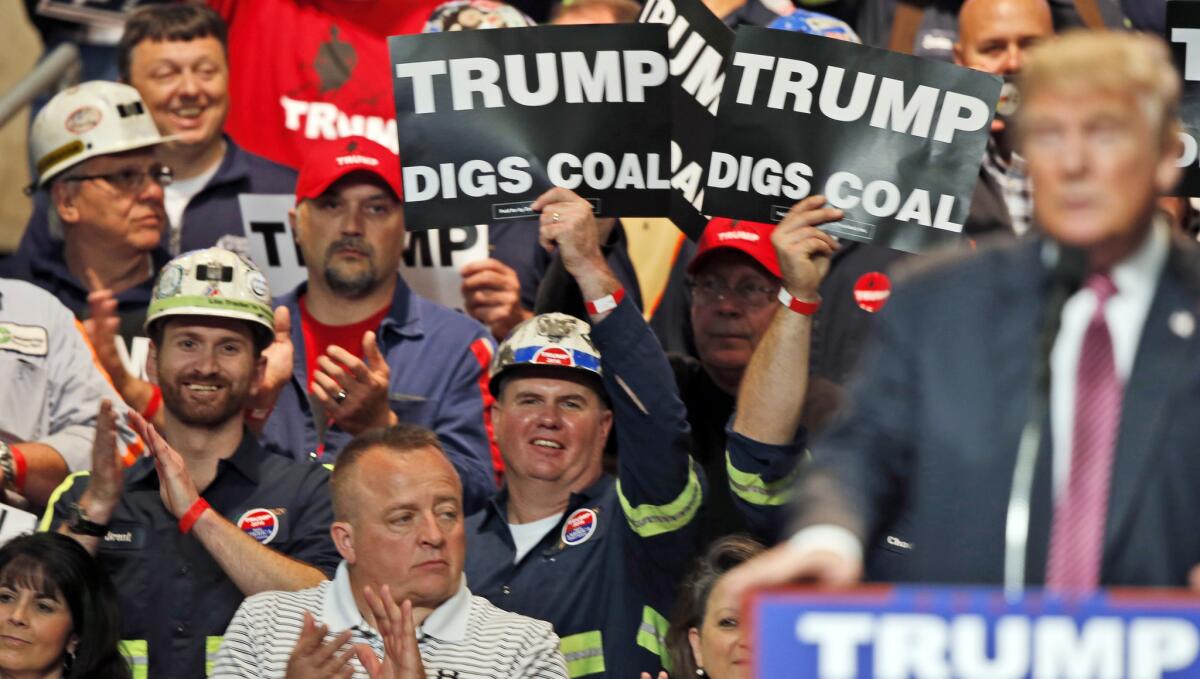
1014,185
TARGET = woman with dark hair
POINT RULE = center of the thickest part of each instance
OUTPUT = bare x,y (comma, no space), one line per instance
705,638
58,612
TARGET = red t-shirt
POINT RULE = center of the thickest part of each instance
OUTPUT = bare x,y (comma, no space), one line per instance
301,70
318,337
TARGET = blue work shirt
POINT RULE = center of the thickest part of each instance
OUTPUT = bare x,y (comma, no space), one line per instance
438,360
175,599
608,594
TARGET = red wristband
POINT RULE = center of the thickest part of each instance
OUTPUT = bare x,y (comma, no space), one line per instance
193,515
152,405
800,307
18,468
606,303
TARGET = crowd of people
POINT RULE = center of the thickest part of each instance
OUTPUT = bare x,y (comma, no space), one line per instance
578,474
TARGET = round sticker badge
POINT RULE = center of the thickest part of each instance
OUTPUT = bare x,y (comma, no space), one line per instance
260,524
554,356
580,526
871,291
83,120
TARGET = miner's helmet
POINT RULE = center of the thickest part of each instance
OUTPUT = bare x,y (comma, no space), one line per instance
213,282
552,340
91,119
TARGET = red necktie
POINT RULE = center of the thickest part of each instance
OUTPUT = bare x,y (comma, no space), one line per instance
1077,534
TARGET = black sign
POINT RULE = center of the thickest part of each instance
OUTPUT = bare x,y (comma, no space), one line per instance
1183,34
896,141
699,43
488,120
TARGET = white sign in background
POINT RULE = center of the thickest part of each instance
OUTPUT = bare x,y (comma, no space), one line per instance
430,266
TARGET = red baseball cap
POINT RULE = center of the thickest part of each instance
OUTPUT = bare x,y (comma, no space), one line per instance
752,238
328,162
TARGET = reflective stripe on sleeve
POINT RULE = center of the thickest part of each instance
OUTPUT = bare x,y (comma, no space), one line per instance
752,488
650,520
48,518
584,653
211,646
652,635
138,654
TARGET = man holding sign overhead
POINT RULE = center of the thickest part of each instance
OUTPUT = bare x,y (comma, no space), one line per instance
1102,310
370,352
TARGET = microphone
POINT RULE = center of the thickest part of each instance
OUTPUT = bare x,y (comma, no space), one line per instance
1065,278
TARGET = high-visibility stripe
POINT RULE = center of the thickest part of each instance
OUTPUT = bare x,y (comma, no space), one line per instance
584,653
48,518
752,488
650,520
137,652
211,646
482,350
652,635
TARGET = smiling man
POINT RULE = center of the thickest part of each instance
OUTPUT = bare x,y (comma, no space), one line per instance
399,529
597,556
174,54
369,350
209,518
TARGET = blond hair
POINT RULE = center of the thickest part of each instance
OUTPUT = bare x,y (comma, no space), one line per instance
1083,61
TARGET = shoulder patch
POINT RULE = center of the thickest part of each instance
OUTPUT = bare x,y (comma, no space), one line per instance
30,340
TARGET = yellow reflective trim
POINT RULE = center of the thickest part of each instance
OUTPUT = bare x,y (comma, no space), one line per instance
752,488
650,520
48,517
211,646
328,466
137,652
652,635
584,653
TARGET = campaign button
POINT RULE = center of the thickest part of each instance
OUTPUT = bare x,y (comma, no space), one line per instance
580,526
260,524
872,290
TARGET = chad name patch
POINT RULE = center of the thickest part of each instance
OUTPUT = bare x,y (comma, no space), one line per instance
31,340
260,524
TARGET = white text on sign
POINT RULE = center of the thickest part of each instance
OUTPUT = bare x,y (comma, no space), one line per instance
795,79
926,646
614,76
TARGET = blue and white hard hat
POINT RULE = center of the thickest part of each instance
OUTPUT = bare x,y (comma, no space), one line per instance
546,340
815,23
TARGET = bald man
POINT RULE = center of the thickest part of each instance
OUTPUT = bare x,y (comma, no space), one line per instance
993,36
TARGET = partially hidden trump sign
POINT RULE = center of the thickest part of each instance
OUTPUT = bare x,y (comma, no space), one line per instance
699,43
944,632
1183,32
893,140
488,120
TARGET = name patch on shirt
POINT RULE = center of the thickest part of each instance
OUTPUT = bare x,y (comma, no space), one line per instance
31,340
124,536
580,526
260,524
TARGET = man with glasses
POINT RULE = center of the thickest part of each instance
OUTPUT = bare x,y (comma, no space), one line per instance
734,279
93,147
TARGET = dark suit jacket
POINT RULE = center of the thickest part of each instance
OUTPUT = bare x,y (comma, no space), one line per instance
925,454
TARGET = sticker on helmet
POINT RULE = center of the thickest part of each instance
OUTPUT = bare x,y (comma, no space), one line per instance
554,356
258,284
169,281
580,526
260,524
84,119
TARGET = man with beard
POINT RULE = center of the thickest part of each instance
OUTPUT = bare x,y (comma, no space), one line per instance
208,518
370,352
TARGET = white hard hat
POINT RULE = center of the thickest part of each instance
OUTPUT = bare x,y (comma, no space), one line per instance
91,119
213,282
553,339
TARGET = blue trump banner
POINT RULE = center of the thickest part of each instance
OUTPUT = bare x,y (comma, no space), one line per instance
943,632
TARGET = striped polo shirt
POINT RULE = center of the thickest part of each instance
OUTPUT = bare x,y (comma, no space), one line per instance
466,637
